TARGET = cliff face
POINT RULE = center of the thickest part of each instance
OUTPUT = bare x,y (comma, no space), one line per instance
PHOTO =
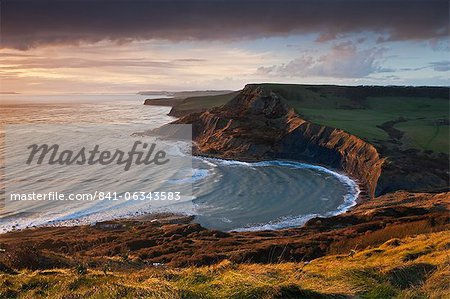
258,124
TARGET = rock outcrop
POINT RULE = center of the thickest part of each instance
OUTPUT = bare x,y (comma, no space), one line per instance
259,124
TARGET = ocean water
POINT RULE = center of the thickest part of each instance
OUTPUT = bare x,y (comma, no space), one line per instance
228,195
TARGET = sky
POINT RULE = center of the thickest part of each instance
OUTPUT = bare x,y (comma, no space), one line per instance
123,46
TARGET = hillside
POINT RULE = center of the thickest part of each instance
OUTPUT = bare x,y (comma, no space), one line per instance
411,267
178,242
412,117
348,128
187,101
200,103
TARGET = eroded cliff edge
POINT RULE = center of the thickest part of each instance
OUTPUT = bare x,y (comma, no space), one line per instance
259,124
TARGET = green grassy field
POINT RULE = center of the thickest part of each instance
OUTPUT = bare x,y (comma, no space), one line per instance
202,102
421,128
424,135
420,114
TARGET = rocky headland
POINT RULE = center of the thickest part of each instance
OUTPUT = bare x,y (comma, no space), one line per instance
259,124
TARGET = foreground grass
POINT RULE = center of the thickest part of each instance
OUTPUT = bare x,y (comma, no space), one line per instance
413,267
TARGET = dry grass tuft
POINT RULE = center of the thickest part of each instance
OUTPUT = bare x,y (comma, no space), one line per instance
381,272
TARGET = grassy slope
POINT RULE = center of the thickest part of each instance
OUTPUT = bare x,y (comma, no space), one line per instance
361,110
414,267
203,102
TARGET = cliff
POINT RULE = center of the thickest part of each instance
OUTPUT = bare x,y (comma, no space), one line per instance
163,101
259,124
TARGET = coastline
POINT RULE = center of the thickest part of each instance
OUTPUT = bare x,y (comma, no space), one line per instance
347,204
81,222
351,199
177,241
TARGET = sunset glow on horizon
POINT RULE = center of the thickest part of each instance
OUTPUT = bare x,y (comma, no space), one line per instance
149,46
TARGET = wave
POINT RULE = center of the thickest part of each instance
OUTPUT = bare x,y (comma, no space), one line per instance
284,222
352,184
197,175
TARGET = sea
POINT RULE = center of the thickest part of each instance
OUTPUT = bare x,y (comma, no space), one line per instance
227,195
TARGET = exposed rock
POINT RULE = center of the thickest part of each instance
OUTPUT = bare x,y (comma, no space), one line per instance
258,124
371,223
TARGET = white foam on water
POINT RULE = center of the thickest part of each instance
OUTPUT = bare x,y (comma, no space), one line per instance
206,161
284,222
197,175
179,148
349,199
231,163
74,219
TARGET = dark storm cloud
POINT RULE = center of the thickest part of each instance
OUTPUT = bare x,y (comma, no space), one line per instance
29,23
